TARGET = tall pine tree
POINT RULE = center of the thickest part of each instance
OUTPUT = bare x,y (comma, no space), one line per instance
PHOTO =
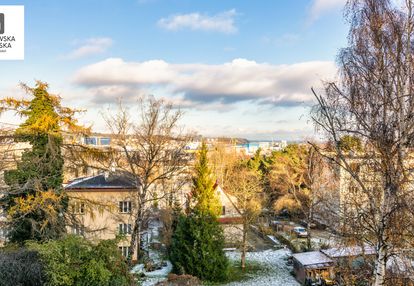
35,202
203,194
197,242
197,248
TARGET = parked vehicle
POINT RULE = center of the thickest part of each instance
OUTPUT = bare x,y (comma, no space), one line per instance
305,224
300,231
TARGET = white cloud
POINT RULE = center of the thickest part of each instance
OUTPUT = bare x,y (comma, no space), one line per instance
90,47
221,22
227,83
320,7
257,132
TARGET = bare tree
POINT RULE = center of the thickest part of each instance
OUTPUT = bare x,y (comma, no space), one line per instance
223,157
245,185
152,151
374,102
320,182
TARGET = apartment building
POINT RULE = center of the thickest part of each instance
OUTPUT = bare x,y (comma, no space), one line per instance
104,207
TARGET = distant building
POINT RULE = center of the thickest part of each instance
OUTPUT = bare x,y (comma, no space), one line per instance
229,212
104,207
266,147
230,218
93,139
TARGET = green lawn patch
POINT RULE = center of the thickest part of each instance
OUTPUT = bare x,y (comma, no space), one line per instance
236,273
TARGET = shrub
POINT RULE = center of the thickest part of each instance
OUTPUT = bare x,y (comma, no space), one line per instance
286,241
197,248
179,280
21,267
324,245
74,260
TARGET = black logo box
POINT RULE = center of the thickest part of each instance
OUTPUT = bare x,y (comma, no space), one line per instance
1,23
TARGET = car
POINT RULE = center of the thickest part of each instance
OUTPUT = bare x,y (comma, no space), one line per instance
305,224
300,231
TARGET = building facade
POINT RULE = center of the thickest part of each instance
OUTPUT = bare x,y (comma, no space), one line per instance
103,207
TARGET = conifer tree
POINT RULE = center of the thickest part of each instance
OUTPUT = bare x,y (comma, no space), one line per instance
203,194
198,241
35,201
197,248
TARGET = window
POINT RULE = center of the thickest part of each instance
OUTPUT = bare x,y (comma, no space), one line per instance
124,250
125,228
223,210
78,208
125,207
105,141
78,230
90,140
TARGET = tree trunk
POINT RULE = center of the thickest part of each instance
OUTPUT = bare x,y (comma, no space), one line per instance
308,238
308,228
244,246
382,250
380,266
135,237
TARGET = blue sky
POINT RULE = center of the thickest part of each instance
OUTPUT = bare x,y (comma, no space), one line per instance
237,68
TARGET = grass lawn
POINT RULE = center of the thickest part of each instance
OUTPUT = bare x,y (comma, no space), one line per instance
236,274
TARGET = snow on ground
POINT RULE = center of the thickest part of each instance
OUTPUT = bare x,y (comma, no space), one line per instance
153,277
151,281
163,272
274,240
275,272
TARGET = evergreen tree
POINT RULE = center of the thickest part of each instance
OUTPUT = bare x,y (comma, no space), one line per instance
198,241
197,248
35,201
203,194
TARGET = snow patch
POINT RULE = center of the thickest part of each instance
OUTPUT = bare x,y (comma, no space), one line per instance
273,239
163,272
276,271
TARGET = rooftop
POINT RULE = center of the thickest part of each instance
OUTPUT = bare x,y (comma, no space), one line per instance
107,180
313,259
349,251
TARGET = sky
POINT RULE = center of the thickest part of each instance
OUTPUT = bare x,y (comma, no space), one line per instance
237,68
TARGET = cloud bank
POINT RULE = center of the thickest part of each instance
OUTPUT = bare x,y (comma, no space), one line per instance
90,47
194,83
221,22
320,7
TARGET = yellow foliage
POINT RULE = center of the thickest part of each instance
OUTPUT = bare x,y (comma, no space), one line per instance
286,202
65,116
13,103
46,201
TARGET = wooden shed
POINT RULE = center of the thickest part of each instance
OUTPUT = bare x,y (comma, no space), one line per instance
312,266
